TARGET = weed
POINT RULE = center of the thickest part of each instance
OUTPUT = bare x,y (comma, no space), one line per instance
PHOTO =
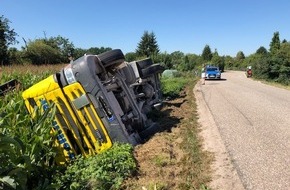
171,87
25,150
160,161
106,170
195,158
156,186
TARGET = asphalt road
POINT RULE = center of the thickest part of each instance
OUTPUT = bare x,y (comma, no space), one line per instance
253,120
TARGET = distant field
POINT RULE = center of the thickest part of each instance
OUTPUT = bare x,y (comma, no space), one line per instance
34,69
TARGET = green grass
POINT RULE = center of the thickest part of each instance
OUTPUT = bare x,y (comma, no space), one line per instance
273,83
171,87
196,158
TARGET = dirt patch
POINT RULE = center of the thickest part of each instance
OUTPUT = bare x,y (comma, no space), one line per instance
164,160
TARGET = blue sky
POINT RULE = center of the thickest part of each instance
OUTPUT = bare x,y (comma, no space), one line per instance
228,26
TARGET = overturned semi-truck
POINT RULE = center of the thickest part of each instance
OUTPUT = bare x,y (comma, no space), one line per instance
99,100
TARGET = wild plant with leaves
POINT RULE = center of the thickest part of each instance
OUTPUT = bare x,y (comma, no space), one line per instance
106,170
26,154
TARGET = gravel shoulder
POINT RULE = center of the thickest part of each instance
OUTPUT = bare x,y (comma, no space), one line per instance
224,175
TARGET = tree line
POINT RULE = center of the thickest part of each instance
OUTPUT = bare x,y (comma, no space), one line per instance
272,64
54,50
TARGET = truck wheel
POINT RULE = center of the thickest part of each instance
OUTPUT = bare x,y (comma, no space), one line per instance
142,64
135,139
111,58
149,131
155,68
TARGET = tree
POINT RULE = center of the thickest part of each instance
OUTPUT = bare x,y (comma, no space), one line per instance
262,50
285,51
239,62
50,50
7,37
275,43
189,62
148,45
39,52
63,45
165,59
176,59
229,62
240,56
79,52
284,70
218,61
130,56
206,53
96,50
284,41
14,56
215,53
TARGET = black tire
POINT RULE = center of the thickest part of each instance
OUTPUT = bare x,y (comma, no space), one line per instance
8,86
111,58
153,69
135,139
149,131
142,64
128,72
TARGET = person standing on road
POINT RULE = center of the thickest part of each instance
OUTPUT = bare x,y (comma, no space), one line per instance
203,75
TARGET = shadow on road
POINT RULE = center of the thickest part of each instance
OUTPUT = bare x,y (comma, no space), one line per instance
222,79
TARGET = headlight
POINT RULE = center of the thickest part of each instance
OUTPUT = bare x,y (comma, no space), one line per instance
69,75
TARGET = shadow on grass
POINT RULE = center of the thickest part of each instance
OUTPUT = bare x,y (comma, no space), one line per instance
165,118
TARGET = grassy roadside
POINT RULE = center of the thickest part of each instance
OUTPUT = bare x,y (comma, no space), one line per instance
275,84
195,157
174,158
196,161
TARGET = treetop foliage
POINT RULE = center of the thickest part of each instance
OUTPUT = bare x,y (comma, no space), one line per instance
206,53
275,43
148,45
262,50
7,37
240,55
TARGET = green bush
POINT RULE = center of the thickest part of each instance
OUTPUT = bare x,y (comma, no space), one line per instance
106,170
171,87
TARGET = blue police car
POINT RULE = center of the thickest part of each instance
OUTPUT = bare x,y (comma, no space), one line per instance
212,72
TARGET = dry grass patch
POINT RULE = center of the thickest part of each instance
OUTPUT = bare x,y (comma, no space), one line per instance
173,158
